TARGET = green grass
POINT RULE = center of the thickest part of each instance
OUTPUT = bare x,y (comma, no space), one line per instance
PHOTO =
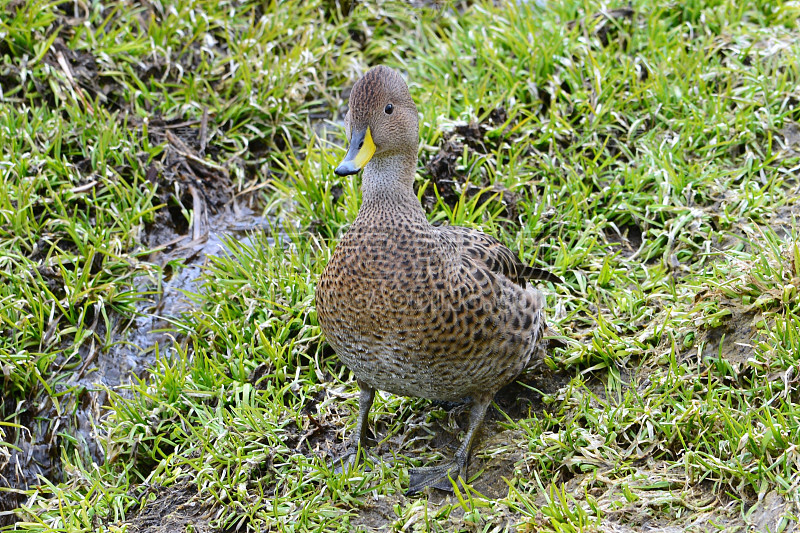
651,162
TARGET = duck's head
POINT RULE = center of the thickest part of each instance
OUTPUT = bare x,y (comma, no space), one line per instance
382,120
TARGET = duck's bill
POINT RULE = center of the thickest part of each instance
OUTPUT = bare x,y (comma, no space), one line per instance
358,154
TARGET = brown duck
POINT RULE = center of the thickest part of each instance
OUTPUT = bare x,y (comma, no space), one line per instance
414,309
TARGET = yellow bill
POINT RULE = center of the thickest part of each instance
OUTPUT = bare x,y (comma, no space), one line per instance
359,153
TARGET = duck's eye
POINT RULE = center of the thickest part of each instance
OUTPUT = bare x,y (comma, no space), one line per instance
388,109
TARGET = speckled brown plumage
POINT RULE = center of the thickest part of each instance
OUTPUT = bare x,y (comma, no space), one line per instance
436,312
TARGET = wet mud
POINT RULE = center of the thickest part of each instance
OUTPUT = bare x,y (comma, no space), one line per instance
187,180
171,509
190,175
135,343
446,169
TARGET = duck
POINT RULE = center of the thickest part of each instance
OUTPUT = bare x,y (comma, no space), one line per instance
437,312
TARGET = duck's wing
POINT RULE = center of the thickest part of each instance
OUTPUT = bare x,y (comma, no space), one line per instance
495,255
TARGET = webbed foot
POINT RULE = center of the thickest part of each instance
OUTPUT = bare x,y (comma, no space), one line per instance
439,477
455,470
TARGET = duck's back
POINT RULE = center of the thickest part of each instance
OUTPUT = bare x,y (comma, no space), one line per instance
415,310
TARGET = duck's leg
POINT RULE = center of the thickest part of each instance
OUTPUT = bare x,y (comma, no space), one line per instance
359,436
439,476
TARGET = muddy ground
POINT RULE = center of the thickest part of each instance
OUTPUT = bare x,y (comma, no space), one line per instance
178,251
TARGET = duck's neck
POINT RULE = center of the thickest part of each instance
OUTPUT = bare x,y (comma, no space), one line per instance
388,181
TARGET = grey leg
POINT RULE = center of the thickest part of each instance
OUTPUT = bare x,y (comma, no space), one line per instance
359,436
365,400
439,476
